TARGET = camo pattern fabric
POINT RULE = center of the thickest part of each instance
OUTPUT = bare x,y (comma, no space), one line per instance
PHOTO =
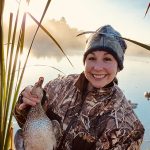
103,120
106,120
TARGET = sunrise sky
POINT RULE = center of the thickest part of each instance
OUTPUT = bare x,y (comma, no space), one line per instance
127,16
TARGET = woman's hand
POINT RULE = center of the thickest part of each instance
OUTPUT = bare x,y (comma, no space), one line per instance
28,99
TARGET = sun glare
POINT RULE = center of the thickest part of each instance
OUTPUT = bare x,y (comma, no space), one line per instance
35,7
12,6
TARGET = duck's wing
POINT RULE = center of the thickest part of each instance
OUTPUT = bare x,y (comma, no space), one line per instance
18,140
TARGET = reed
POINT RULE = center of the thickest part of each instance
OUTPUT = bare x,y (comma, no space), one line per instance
10,56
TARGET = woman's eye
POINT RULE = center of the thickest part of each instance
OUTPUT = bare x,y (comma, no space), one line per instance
91,58
107,59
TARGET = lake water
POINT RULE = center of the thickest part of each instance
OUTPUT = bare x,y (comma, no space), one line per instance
134,80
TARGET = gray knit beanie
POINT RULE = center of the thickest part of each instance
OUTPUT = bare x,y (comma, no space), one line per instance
108,39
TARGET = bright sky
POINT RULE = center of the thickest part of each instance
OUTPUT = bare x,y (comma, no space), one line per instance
126,16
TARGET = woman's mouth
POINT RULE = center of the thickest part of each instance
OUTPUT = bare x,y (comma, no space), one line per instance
99,76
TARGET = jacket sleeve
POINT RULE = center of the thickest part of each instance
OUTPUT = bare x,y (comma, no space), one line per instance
129,123
122,139
134,139
123,131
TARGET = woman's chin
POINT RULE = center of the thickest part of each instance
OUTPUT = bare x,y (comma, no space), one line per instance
98,85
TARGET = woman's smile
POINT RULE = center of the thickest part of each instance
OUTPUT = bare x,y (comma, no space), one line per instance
99,76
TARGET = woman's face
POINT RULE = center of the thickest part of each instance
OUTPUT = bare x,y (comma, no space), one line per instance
100,68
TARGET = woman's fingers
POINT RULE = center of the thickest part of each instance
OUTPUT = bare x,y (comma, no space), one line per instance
31,97
26,102
29,101
22,106
28,98
27,94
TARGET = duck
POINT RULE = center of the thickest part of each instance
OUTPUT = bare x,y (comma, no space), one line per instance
38,131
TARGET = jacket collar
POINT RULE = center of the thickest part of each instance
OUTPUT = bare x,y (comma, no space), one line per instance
81,82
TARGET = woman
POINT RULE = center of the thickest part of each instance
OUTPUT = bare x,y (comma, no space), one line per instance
92,110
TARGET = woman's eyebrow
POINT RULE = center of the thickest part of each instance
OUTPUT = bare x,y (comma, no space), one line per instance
106,53
92,53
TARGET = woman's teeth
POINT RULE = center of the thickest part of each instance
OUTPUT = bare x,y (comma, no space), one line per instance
99,76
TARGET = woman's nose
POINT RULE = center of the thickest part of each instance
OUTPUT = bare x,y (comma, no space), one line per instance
98,66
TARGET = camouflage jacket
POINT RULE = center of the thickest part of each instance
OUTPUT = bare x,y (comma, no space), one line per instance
90,118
